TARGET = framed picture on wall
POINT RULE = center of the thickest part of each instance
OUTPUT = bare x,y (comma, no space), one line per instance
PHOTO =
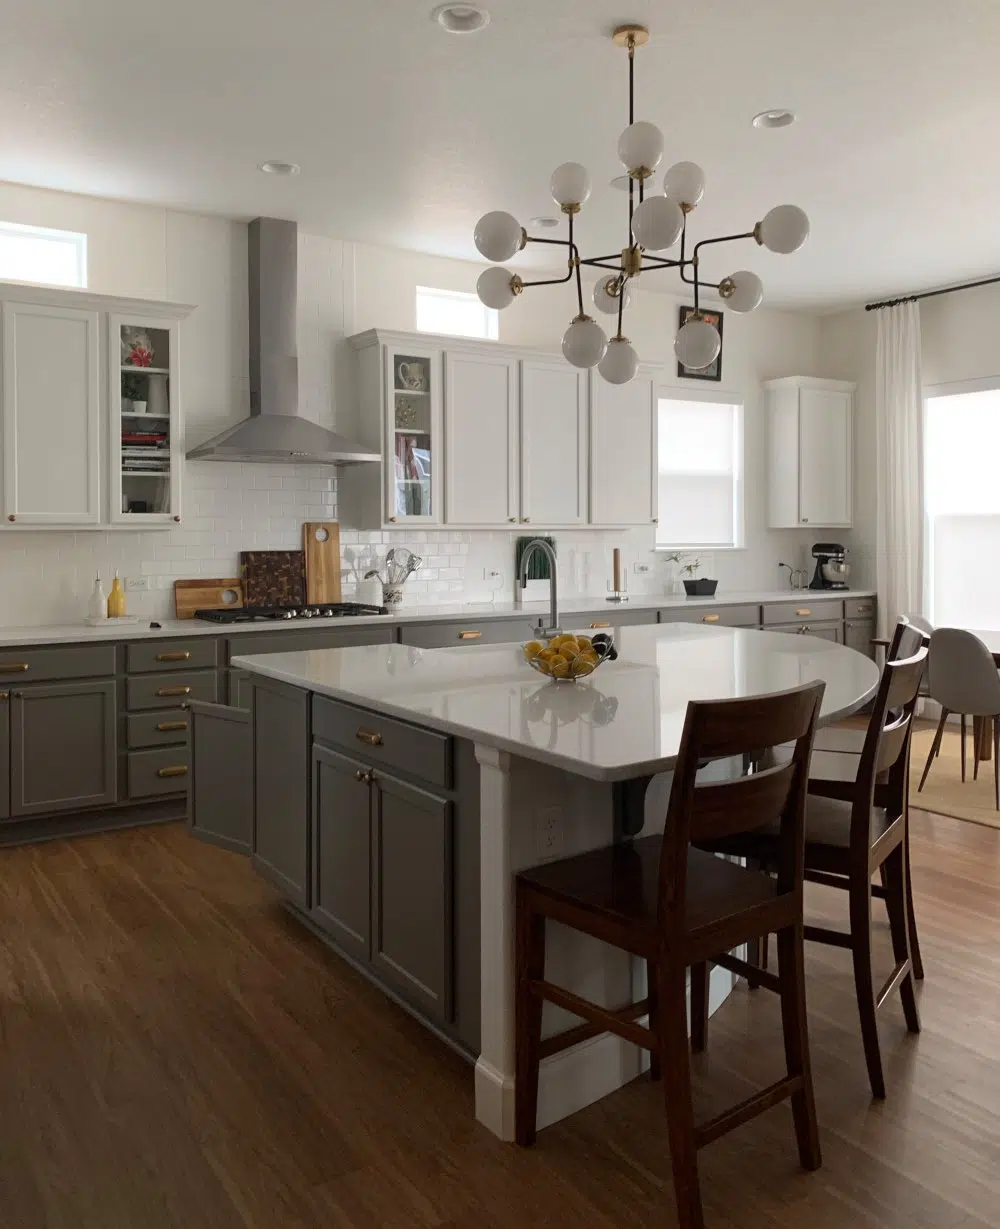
714,370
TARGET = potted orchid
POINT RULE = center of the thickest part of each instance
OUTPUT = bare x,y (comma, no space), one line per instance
695,586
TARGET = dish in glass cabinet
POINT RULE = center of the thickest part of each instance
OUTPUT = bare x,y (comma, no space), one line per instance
568,658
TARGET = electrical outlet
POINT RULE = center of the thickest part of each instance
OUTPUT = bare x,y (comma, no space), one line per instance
137,584
549,832
640,569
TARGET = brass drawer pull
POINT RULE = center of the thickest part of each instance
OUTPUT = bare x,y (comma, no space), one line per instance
13,667
600,625
4,695
172,725
709,618
863,610
173,691
803,613
365,776
173,657
469,635
175,770
367,736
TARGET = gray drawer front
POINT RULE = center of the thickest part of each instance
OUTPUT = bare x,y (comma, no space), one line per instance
163,771
161,729
198,653
171,690
448,635
721,616
76,661
806,610
382,741
859,608
321,638
616,617
810,627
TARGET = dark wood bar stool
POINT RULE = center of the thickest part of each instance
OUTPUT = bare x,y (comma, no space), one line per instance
853,829
674,906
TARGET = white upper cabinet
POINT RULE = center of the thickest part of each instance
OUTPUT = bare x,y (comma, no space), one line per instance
811,453
553,442
481,438
51,415
623,450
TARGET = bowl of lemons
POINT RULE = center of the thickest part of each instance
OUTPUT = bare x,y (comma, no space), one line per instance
567,658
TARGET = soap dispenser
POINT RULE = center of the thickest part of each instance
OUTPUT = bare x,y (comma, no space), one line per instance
116,599
98,608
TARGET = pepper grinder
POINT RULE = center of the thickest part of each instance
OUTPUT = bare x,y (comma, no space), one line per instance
619,594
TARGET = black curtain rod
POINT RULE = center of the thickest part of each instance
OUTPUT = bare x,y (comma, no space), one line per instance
930,294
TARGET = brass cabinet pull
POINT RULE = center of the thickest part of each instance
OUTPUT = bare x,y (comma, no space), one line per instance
364,776
4,695
863,610
803,613
13,667
172,725
175,770
173,657
368,736
709,618
173,691
469,635
600,625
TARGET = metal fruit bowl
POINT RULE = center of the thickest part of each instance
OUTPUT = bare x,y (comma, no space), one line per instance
569,658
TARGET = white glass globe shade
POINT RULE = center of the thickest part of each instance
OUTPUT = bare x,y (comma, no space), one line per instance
584,343
698,344
657,223
684,183
570,184
640,145
607,302
498,235
784,229
494,288
747,292
620,363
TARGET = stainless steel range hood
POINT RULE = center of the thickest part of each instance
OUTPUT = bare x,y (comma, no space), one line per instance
275,431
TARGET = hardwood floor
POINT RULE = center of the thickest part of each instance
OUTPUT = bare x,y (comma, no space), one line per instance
175,1051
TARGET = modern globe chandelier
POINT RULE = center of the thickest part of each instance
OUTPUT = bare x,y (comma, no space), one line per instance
655,223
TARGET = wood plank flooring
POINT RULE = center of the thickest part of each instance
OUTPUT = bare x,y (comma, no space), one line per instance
176,1052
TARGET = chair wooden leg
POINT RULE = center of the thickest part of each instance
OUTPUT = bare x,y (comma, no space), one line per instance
791,971
699,1007
861,948
655,1067
672,1031
935,748
529,965
977,741
911,917
962,737
895,904
996,760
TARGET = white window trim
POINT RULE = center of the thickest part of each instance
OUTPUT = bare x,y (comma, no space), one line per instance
721,396
490,315
77,238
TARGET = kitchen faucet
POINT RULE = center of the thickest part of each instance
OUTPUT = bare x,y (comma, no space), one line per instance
550,555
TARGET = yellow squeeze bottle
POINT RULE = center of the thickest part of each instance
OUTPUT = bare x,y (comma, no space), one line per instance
116,599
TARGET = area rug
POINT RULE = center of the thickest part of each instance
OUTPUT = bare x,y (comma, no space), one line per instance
945,793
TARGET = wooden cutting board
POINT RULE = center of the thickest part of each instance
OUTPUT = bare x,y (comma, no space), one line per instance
321,547
204,594
273,577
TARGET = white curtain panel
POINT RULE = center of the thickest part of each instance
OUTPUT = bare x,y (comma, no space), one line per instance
899,415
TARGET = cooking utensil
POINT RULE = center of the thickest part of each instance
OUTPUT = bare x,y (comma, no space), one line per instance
273,577
205,594
321,547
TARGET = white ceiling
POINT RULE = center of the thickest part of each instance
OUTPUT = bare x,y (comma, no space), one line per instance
406,134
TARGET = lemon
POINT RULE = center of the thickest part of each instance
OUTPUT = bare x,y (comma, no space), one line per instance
588,655
560,668
569,651
545,654
556,641
585,642
582,667
532,649
541,664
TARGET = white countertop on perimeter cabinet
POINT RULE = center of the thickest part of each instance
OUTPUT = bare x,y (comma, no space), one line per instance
624,721
70,633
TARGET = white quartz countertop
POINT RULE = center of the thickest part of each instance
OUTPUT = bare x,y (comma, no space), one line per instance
71,633
624,721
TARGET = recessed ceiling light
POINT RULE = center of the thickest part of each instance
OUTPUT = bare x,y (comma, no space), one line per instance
544,223
461,18
279,168
776,118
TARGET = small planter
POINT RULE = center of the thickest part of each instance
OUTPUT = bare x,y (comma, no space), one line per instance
701,587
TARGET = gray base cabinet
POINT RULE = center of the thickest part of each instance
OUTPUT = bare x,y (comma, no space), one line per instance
220,800
342,835
4,754
858,634
281,762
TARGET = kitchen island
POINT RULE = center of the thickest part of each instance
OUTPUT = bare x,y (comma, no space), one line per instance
468,750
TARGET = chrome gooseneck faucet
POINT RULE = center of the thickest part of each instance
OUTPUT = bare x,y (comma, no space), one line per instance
540,545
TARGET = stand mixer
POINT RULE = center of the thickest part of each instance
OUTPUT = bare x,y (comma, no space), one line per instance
832,569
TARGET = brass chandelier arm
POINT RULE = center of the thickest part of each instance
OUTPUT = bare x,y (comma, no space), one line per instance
574,259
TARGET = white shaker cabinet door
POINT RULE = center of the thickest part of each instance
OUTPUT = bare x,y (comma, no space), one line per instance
622,451
481,445
824,457
51,415
553,443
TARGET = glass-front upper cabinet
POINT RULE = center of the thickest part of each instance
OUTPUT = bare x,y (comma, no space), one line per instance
145,421
413,434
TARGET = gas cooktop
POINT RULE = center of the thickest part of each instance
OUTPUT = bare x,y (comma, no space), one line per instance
266,614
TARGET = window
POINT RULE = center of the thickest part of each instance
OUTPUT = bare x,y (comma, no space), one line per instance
456,313
962,504
700,472
37,254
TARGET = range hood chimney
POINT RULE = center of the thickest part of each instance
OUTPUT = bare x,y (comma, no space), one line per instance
275,431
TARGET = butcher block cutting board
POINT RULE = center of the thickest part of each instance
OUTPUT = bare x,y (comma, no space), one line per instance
204,594
273,577
321,546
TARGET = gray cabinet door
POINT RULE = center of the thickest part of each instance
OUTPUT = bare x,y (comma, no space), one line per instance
858,634
4,755
220,793
342,802
62,747
281,737
412,937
